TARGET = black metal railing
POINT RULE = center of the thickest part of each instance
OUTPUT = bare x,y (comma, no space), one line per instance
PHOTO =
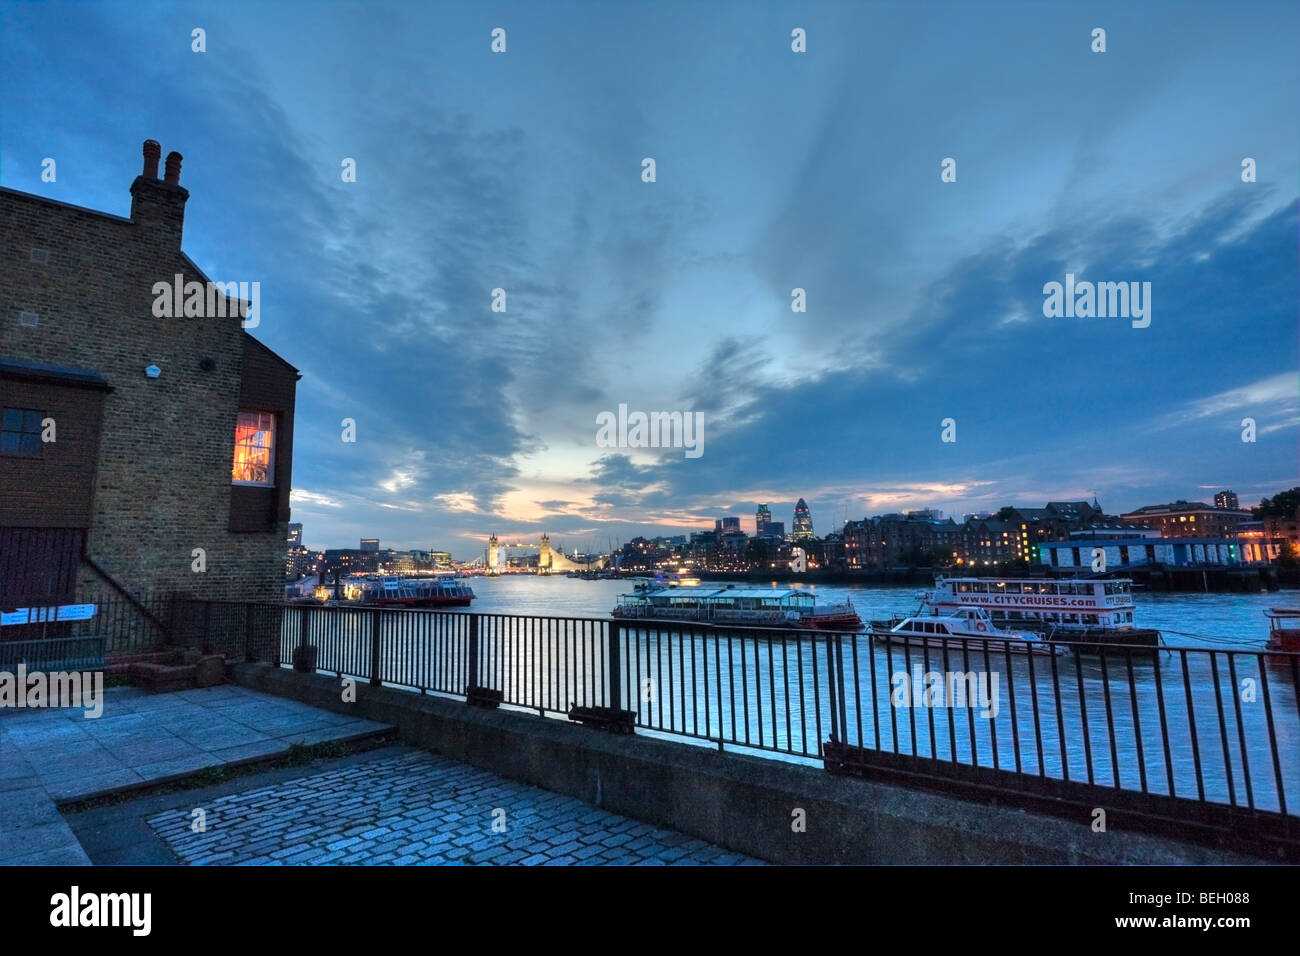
1188,739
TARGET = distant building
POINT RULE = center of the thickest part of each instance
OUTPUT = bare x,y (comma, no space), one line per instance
762,518
773,531
1016,537
722,525
802,529
1189,519
297,563
296,560
350,561
1270,538
1134,552
369,544
1226,500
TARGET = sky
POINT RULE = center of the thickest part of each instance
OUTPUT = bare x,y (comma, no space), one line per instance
774,170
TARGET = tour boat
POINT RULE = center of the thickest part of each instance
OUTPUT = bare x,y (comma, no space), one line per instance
440,591
969,627
1074,611
751,606
1283,628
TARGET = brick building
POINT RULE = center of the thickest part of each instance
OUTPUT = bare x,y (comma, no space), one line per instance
1189,519
169,434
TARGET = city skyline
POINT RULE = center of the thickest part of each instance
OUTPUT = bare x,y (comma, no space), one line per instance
924,298
736,522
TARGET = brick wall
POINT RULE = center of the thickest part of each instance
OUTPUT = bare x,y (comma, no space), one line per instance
162,485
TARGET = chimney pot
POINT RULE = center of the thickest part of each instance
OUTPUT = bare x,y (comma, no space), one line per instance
152,153
173,171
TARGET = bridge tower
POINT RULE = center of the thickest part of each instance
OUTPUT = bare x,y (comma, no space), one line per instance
493,561
544,559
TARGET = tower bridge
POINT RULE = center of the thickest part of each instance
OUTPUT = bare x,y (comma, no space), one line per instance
548,559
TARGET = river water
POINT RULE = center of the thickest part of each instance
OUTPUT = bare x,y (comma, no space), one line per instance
1186,620
1217,720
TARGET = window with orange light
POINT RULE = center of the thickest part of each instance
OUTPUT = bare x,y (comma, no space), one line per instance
254,449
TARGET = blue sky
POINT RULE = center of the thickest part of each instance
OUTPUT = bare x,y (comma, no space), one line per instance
775,170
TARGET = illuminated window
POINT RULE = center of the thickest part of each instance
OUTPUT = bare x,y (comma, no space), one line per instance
20,433
254,449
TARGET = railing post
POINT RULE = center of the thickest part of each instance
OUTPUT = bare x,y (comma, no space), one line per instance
471,664
304,626
248,629
615,701
834,684
376,628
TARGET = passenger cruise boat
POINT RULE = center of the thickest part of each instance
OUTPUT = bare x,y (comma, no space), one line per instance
753,606
1074,611
968,627
440,591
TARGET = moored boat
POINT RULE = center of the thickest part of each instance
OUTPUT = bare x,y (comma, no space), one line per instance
1283,628
1077,612
440,591
740,606
970,628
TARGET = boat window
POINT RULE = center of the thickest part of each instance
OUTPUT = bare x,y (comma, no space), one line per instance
929,627
1090,619
941,629
963,587
979,587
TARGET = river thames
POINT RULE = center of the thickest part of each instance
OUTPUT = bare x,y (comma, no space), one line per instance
1200,620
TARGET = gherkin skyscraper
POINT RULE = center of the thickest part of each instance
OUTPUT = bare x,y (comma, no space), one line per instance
803,528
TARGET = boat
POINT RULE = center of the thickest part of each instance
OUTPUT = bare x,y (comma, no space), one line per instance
1078,612
739,606
676,577
1283,628
440,591
971,628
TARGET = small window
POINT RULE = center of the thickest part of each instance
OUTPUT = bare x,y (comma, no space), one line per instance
20,433
254,449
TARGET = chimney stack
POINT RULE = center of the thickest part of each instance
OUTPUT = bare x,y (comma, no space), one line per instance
152,153
173,173
158,205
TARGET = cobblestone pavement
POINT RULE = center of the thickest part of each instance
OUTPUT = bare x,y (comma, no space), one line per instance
412,807
53,754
